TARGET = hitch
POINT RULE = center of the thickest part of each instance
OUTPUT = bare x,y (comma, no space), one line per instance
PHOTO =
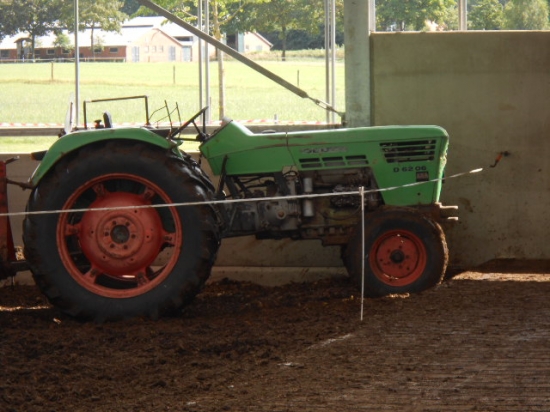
9,265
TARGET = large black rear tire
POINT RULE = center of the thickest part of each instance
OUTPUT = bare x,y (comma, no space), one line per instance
130,259
405,252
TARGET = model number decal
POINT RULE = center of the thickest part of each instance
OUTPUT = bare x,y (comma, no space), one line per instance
410,169
319,150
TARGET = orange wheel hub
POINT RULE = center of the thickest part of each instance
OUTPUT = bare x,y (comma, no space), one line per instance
398,258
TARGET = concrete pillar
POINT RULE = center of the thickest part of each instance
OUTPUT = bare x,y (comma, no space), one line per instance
358,72
463,15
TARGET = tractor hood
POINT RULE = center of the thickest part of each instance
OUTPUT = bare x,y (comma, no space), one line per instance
397,155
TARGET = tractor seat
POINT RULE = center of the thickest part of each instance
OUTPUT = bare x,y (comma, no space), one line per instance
107,120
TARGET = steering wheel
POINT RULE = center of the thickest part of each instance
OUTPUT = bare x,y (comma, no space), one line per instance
202,133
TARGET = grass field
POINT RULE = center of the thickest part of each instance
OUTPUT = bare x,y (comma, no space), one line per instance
40,92
25,144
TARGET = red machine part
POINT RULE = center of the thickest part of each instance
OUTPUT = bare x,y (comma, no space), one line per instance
398,258
7,249
120,245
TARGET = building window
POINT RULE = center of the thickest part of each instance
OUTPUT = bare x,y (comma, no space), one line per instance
66,51
113,50
161,49
50,52
4,54
187,55
153,49
146,49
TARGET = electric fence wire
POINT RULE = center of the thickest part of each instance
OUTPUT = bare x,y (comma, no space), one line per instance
360,192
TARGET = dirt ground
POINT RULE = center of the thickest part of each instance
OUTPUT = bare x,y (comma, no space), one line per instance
478,342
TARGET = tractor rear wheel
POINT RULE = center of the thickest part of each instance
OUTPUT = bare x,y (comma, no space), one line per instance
405,252
140,254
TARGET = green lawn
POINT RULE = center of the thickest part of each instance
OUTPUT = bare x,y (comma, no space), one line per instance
40,92
25,144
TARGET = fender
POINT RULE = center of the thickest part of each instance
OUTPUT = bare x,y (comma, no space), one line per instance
76,140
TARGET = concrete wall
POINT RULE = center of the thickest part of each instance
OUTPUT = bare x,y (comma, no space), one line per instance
491,91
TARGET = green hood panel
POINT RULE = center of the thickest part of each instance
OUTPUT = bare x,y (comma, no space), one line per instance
247,153
397,155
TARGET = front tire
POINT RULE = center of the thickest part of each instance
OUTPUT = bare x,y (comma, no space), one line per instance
134,257
405,252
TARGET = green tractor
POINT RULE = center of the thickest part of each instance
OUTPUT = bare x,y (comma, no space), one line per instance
121,223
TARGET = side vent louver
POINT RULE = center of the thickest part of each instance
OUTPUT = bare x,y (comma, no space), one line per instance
413,151
334,161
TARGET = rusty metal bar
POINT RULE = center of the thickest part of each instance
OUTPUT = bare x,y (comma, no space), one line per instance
113,99
237,56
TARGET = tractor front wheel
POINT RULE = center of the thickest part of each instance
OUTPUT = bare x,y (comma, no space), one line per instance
405,252
115,243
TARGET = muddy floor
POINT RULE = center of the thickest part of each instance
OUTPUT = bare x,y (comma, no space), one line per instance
478,342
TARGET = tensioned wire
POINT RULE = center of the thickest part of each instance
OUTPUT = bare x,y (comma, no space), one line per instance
360,192
357,192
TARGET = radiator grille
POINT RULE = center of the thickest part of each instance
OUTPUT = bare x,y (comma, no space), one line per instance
413,151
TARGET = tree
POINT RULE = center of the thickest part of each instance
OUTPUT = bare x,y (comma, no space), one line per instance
286,16
2,24
486,15
302,40
449,19
95,14
130,7
526,15
62,42
401,15
35,17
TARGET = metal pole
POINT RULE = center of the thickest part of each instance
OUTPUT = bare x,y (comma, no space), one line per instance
463,15
330,57
199,26
333,57
358,70
76,63
372,15
327,53
363,254
207,60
